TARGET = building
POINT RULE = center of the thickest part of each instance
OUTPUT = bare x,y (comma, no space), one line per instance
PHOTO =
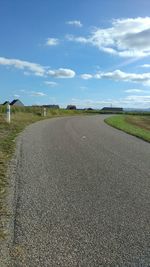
71,107
112,109
89,109
51,106
17,103
5,103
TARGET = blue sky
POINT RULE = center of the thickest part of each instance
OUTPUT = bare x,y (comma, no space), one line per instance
88,53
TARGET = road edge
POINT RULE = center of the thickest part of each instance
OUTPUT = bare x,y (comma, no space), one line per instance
6,245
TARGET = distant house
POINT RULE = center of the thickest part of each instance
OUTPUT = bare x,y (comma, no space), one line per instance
17,103
112,109
89,108
71,107
51,106
5,103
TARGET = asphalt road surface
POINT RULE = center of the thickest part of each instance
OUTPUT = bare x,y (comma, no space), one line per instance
83,197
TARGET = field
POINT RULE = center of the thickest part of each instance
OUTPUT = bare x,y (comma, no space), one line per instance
20,118
137,125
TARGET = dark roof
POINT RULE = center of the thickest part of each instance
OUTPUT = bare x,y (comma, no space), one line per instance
16,102
112,109
51,106
89,109
5,103
71,107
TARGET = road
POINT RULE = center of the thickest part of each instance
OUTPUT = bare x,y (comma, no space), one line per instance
83,196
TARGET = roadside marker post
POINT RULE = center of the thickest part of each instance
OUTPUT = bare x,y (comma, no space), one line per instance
8,113
44,112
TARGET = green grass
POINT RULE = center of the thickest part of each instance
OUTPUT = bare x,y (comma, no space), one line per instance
132,124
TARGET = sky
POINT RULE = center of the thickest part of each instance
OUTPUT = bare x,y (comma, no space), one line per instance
90,53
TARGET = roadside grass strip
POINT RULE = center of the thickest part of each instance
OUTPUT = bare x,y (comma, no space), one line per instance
138,126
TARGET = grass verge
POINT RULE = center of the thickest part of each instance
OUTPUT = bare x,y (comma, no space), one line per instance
136,125
19,120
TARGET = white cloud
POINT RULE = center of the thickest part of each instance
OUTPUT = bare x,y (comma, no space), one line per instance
145,66
26,73
61,73
50,83
134,91
17,96
36,69
119,75
86,76
37,94
88,102
127,77
28,92
134,101
52,42
139,98
79,39
76,23
126,38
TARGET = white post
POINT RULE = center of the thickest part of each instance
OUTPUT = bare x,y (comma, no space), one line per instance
8,113
44,112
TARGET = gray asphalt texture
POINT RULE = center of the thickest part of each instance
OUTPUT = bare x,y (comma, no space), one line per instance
83,196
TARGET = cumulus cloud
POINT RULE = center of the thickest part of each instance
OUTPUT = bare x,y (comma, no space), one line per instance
139,99
126,38
50,83
76,23
119,75
86,76
134,91
37,94
61,73
127,77
16,96
145,66
52,42
36,69
28,92
88,102
133,101
79,39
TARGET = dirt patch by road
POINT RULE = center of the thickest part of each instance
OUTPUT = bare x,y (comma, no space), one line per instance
140,121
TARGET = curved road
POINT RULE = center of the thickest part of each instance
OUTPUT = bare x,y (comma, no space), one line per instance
83,196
